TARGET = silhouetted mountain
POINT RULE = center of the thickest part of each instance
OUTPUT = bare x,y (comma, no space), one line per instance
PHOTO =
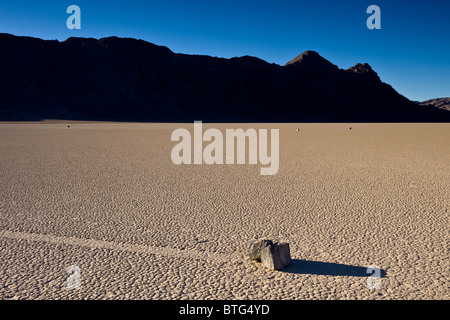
132,80
440,103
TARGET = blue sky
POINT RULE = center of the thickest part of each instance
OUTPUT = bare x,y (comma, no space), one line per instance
411,51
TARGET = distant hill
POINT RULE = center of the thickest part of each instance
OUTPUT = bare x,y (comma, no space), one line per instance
123,79
440,103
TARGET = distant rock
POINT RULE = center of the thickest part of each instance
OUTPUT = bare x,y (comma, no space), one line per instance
124,79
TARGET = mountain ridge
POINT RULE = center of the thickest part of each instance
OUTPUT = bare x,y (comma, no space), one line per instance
126,79
440,103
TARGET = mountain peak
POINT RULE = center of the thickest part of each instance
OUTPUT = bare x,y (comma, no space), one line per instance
307,55
363,69
311,60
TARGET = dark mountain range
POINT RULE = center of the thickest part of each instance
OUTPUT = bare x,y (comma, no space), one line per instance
125,79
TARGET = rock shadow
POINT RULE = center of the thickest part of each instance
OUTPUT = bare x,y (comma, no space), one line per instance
328,269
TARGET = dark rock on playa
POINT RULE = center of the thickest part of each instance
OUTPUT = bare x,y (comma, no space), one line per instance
271,255
276,256
258,247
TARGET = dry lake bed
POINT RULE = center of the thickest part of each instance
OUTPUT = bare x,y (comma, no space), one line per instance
105,202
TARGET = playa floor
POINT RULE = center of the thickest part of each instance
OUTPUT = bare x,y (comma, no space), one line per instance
106,197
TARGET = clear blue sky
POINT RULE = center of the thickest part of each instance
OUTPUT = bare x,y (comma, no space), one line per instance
411,51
